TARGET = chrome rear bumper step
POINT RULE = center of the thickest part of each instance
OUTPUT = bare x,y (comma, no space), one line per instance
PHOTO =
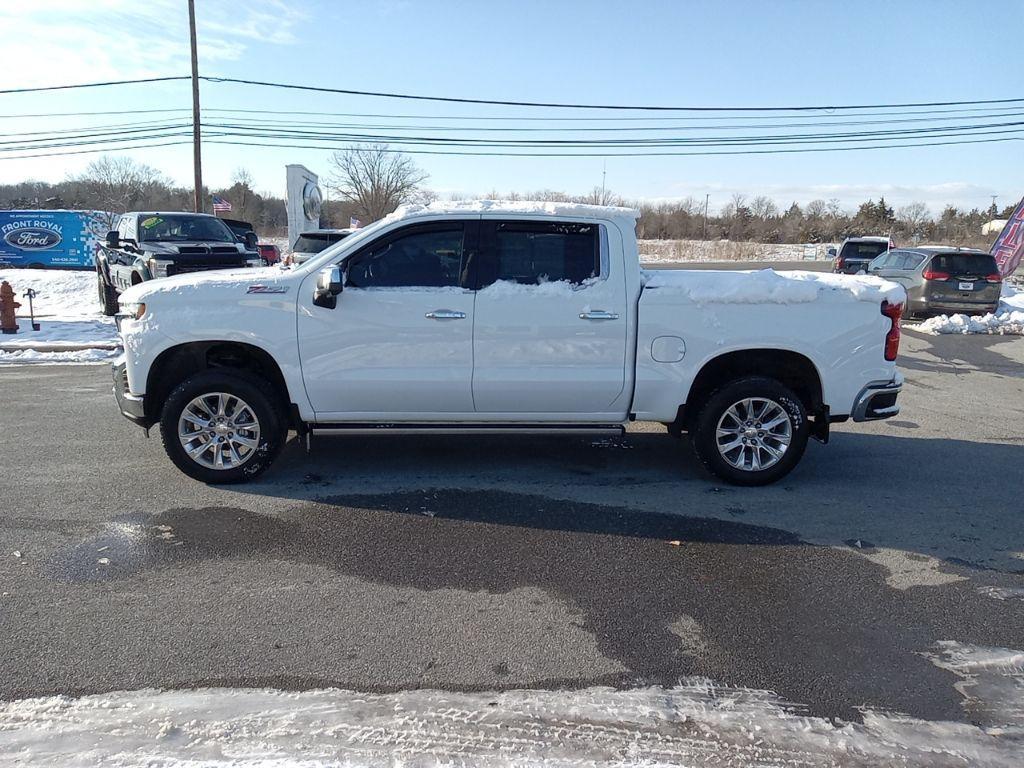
354,428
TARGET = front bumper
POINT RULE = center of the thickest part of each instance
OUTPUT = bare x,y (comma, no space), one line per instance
132,407
878,400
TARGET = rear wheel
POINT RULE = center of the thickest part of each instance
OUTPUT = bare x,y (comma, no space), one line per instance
751,431
220,427
107,296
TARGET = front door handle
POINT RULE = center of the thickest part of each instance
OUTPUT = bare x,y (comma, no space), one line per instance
445,314
598,314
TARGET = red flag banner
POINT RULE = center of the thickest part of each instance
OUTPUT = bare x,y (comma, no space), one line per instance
1009,246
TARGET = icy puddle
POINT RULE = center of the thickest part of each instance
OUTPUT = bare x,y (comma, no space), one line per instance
696,723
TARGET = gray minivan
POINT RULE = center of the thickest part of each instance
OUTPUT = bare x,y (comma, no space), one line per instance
942,279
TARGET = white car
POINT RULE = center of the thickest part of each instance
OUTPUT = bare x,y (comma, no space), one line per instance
511,318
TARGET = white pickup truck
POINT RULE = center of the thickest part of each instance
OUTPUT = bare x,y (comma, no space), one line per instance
493,318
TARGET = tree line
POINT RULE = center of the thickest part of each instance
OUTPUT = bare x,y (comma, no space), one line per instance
368,182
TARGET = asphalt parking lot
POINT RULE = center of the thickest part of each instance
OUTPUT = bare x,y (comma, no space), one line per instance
494,563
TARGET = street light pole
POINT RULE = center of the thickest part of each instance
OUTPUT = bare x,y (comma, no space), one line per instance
197,158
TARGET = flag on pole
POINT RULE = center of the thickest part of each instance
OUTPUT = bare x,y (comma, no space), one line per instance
1009,246
220,205
354,223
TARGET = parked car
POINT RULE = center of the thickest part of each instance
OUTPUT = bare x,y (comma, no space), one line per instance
152,244
269,252
531,318
942,279
857,252
309,244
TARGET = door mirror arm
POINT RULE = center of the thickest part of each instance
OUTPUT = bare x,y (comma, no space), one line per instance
329,283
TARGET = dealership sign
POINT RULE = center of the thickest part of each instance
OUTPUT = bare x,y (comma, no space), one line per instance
51,238
1009,246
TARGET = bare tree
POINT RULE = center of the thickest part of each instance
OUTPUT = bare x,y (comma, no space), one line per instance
374,179
603,196
913,217
117,184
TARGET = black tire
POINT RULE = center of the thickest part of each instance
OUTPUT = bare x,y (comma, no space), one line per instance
703,431
107,295
252,390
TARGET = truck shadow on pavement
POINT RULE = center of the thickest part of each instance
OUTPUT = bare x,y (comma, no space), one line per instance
668,585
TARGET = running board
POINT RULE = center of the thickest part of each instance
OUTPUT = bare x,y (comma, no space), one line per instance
355,428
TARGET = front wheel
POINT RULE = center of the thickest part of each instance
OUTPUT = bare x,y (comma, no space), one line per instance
751,431
107,296
220,427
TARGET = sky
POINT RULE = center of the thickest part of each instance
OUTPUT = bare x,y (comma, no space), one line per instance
598,51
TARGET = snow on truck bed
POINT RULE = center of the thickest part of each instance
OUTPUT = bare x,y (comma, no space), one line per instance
767,286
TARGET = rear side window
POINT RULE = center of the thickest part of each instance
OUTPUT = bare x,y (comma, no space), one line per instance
979,264
531,253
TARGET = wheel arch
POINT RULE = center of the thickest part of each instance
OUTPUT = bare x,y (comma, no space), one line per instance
177,363
794,369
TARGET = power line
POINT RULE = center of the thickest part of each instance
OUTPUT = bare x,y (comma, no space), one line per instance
91,85
562,105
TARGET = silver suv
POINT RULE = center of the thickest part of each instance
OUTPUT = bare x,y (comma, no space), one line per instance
857,252
942,279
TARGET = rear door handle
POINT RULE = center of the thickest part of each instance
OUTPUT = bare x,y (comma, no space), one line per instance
445,314
598,314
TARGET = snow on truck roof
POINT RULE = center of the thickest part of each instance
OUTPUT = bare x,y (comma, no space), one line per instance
516,208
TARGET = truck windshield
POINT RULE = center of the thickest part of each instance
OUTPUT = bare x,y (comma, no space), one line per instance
184,227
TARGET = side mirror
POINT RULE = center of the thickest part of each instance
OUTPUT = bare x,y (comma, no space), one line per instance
112,240
250,240
328,285
831,252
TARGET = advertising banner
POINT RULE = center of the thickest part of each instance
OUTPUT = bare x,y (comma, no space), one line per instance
304,201
65,239
1009,246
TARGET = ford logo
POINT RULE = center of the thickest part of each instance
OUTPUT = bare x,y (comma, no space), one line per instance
312,201
32,238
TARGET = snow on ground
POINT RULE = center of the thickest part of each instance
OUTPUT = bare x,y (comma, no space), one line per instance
73,330
694,723
1008,318
673,251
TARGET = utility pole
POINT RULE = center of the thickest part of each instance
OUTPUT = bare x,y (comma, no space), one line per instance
994,201
604,171
197,157
707,197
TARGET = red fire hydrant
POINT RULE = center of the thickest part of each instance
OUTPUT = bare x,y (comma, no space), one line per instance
8,323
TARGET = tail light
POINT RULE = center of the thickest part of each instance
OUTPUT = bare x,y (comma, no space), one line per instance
840,262
995,277
892,339
931,274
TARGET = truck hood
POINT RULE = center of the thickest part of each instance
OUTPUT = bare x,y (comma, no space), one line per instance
226,284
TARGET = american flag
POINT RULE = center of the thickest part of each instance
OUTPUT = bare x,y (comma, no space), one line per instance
220,205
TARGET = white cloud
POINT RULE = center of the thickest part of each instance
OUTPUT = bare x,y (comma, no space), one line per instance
61,41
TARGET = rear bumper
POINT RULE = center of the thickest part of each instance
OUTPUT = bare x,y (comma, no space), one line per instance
132,407
953,305
878,400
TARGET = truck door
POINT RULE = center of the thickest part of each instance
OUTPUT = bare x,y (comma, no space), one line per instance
549,336
398,345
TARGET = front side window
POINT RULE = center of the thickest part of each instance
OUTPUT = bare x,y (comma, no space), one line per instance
430,258
531,253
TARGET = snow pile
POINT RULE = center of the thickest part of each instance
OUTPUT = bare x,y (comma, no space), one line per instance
767,286
515,207
73,330
693,723
1008,318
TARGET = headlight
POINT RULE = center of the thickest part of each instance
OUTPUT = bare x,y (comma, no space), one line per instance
134,310
158,267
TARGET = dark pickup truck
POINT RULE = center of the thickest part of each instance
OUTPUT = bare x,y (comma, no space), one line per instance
151,244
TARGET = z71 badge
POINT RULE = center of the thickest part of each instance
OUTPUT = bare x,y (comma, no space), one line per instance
267,289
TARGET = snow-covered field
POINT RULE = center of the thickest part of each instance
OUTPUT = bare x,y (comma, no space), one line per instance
673,251
693,723
73,330
1008,318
